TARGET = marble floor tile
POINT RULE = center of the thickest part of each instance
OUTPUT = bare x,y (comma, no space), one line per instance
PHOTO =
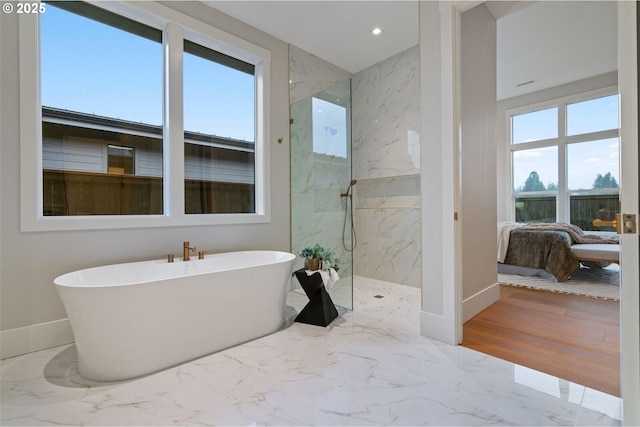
371,366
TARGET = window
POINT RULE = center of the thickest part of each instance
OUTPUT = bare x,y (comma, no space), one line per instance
570,174
592,115
329,125
145,123
536,171
86,88
121,160
219,132
535,126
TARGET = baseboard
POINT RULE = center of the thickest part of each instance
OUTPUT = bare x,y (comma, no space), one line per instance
18,341
437,327
478,302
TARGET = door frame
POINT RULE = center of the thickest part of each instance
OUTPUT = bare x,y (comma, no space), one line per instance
629,186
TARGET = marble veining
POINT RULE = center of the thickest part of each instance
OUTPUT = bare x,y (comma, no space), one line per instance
390,247
386,163
371,366
386,118
310,74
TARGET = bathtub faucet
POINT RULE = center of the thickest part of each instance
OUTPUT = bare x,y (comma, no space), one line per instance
186,250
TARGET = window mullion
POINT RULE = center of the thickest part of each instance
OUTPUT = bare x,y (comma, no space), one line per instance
592,136
173,122
562,206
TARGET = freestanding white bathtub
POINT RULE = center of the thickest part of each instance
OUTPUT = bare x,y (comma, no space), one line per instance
136,318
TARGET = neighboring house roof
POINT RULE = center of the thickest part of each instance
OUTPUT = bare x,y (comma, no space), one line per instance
92,121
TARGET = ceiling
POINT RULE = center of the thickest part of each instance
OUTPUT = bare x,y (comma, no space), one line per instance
547,42
550,43
337,31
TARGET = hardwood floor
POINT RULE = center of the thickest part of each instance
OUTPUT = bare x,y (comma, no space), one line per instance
572,337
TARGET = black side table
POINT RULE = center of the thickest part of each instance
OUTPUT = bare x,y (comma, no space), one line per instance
320,310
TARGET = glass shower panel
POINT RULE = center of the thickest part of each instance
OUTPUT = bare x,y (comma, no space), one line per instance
320,175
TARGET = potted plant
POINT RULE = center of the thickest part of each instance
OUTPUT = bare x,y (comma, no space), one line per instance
318,258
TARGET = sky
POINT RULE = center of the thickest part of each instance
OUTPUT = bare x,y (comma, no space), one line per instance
120,75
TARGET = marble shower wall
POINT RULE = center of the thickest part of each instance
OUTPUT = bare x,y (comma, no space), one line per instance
386,163
310,74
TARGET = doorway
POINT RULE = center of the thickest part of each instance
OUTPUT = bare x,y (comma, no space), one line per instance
629,136
547,118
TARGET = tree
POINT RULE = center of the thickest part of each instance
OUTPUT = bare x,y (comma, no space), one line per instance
606,181
533,183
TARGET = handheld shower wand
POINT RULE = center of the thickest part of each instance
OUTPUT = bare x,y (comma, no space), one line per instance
347,194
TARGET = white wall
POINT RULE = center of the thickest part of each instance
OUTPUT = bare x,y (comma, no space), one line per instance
32,316
478,160
440,315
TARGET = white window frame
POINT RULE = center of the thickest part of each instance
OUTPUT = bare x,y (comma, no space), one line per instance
561,141
175,27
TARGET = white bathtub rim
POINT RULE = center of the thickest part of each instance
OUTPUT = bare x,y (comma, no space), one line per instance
72,279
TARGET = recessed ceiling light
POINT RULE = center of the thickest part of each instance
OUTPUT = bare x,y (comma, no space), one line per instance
376,31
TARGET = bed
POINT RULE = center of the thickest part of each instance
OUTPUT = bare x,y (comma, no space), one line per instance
552,250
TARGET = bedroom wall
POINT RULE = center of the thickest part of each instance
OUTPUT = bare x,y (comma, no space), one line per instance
31,314
386,163
478,160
